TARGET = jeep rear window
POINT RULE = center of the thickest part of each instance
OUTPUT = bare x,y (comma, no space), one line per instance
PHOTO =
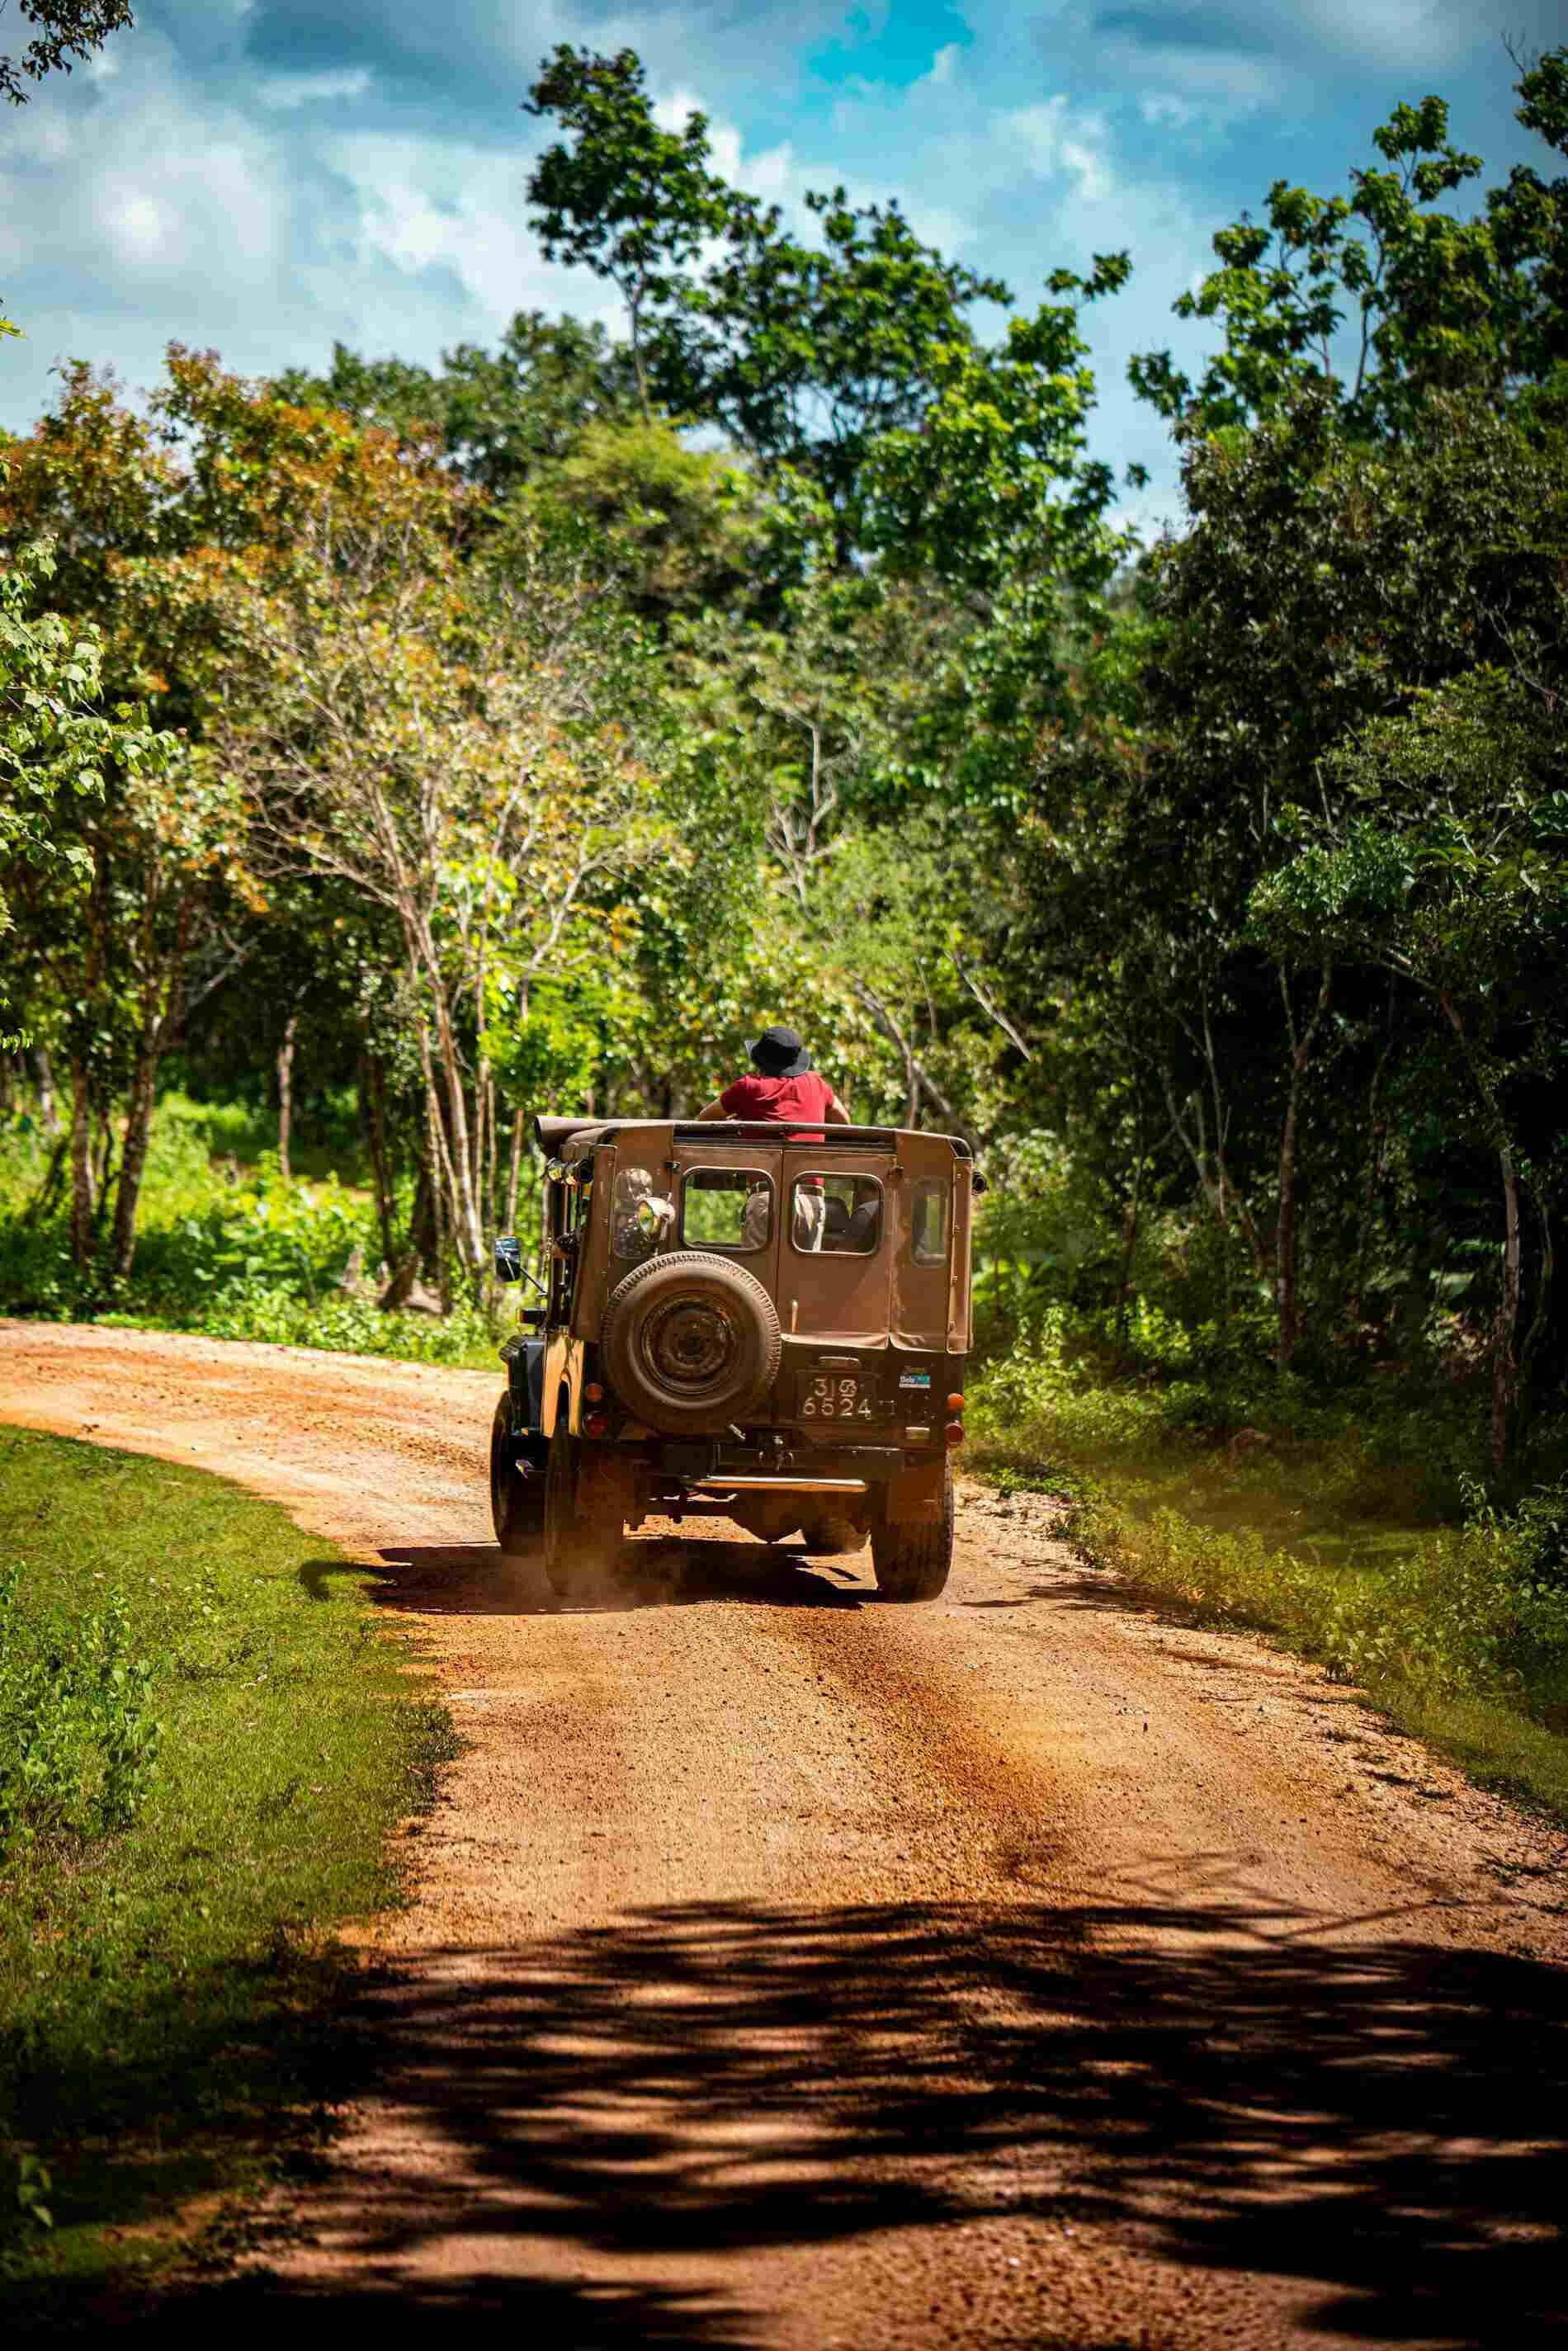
836,1214
726,1208
928,1223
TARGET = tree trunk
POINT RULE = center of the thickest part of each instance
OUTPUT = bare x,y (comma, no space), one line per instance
1129,1244
1286,1227
1539,1322
82,1166
285,1097
440,1184
42,1204
373,1089
423,1220
447,1188
457,1161
1376,1157
1285,1293
49,1110
513,1173
490,1156
1505,1323
107,1174
134,1161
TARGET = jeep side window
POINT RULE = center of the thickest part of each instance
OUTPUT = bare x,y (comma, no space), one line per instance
837,1214
929,1223
726,1208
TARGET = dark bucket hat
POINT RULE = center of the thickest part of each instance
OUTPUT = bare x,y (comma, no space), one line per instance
778,1053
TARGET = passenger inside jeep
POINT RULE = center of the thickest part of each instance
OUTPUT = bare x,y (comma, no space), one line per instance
642,1219
850,1218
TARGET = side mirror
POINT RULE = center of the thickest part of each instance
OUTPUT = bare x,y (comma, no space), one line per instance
509,1258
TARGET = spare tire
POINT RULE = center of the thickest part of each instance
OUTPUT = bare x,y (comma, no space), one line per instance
690,1343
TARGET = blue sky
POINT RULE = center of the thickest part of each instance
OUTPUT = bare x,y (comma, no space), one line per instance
263,176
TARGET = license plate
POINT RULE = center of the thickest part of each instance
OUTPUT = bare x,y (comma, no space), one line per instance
836,1395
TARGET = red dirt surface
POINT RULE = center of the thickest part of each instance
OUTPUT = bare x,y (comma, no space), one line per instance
789,1968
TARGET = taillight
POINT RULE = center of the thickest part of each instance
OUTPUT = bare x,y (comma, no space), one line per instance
955,1432
597,1424
593,1393
955,1402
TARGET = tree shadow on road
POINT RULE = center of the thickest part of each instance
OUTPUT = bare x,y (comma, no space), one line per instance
1359,2106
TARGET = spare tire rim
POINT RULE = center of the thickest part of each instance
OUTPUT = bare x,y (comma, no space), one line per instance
688,1342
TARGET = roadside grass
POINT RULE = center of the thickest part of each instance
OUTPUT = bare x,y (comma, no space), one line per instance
1369,1545
203,1743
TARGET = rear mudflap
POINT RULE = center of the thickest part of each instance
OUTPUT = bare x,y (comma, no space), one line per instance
914,1493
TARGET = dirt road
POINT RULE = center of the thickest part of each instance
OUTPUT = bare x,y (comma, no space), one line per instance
791,1970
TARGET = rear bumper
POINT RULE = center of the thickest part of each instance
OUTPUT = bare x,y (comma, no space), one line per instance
746,1483
886,1484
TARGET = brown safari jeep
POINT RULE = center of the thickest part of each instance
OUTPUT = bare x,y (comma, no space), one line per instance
762,1322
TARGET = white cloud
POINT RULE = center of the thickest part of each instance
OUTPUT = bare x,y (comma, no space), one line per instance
458,210
1162,109
1054,137
142,183
283,92
153,213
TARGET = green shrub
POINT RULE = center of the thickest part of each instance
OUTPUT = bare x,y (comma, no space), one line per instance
357,1326
78,1740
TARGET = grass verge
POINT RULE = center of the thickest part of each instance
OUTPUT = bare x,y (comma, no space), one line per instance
1450,1614
204,1742
1444,1640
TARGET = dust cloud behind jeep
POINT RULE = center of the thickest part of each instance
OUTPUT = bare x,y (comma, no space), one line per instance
759,1322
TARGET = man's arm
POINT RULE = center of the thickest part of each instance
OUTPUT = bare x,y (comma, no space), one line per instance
835,1113
714,1109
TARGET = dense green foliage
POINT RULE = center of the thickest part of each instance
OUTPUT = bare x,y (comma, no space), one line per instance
227,1249
529,731
203,1744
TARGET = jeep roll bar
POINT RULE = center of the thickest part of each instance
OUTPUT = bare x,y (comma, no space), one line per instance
553,1134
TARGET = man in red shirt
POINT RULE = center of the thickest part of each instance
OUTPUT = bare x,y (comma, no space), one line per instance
782,1087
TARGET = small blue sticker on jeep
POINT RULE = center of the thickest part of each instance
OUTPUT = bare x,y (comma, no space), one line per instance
914,1379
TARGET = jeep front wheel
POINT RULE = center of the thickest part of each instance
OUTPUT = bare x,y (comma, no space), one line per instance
833,1535
517,1503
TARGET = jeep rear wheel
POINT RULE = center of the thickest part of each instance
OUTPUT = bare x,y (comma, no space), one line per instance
691,1343
913,1560
584,1513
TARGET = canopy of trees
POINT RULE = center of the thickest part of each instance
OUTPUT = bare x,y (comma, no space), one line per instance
533,729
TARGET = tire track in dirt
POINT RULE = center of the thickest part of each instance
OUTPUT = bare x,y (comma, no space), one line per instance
787,1968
